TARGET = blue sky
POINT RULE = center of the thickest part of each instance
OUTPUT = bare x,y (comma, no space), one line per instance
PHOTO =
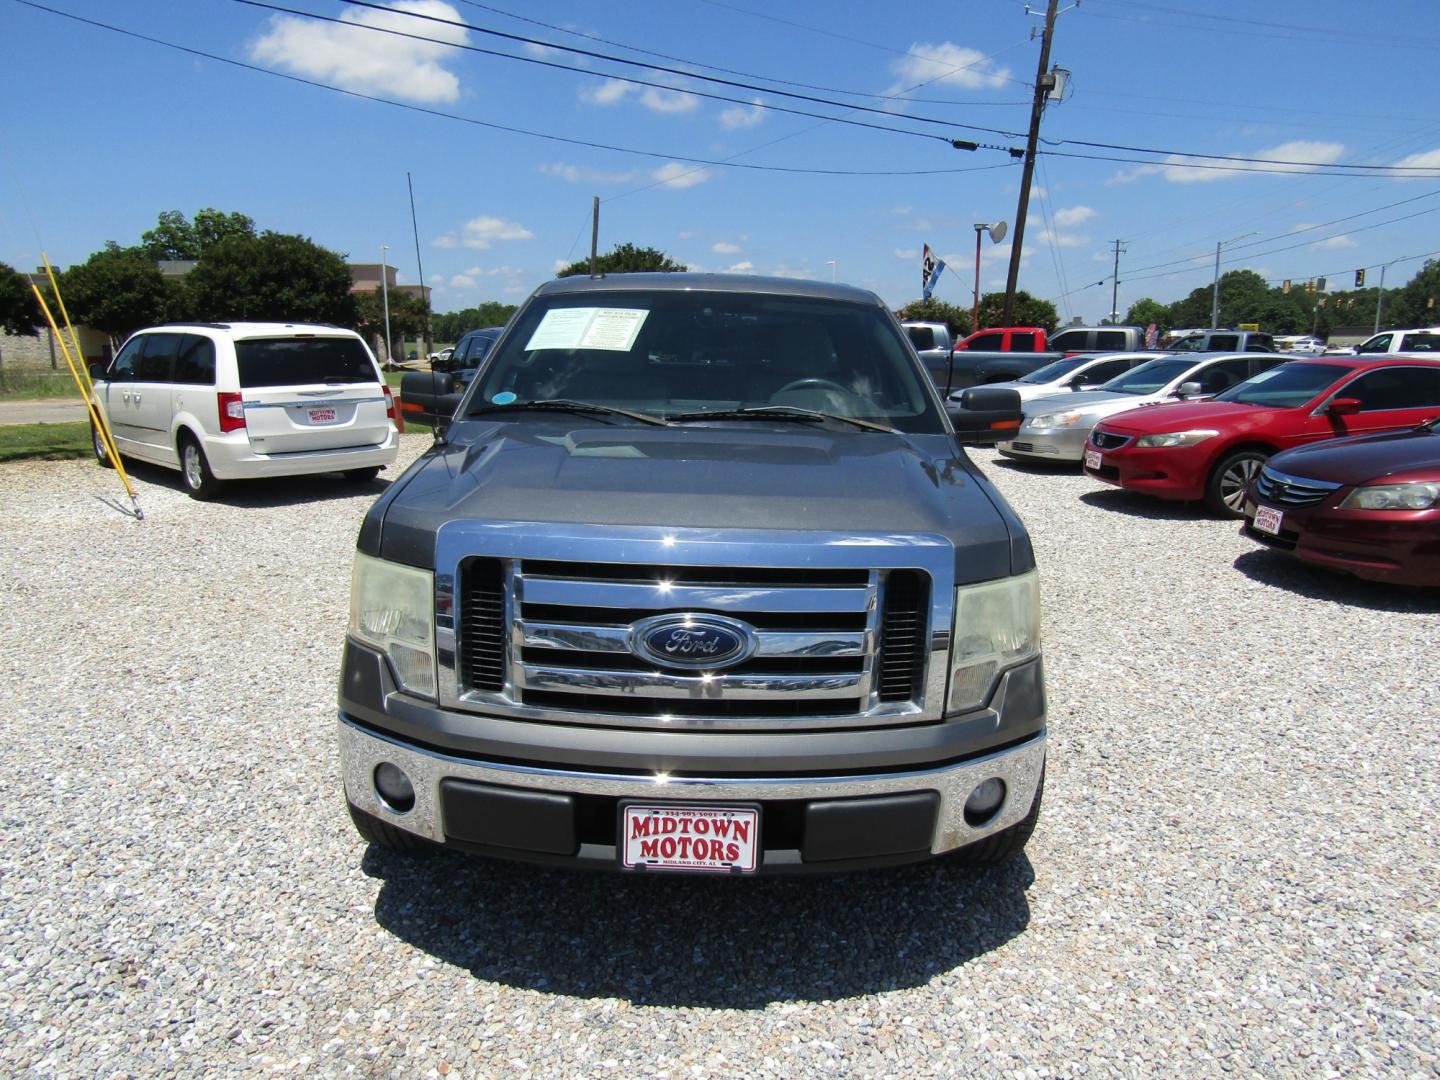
102,131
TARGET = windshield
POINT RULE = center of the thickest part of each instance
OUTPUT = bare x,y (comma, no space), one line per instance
1149,378
1052,371
1286,387
664,353
298,361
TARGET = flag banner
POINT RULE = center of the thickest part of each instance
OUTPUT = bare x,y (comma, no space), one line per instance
1152,336
930,268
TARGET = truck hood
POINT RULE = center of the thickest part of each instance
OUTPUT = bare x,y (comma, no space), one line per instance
1401,455
745,476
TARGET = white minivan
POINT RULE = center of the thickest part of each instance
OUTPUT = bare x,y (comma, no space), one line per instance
233,401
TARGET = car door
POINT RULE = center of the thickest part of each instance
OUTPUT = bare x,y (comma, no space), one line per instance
114,393
150,396
193,401
1100,371
1391,398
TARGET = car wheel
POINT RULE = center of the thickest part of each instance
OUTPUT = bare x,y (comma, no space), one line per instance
199,481
362,476
384,835
1225,490
102,455
1008,842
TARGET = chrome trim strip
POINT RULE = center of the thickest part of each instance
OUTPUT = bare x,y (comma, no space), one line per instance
659,684
614,639
361,751
309,404
606,594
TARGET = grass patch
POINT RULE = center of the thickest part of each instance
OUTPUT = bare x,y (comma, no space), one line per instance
44,442
37,384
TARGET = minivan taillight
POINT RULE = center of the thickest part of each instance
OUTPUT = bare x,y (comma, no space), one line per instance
392,412
232,411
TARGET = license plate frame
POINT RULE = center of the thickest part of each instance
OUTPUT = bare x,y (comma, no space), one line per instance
1093,459
630,855
323,415
1268,520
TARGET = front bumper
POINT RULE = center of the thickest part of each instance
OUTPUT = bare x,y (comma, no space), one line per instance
1164,472
1398,547
1047,444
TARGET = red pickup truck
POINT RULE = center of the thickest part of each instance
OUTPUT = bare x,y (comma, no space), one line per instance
1006,339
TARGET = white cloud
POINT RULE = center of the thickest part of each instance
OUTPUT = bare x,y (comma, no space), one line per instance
907,253
613,92
558,265
1430,159
462,281
483,231
1063,240
579,174
358,59
740,268
1334,243
679,175
685,235
947,64
1074,215
724,248
742,116
1180,169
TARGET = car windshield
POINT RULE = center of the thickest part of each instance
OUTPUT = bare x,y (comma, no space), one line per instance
1286,387
678,353
1052,371
299,361
1150,377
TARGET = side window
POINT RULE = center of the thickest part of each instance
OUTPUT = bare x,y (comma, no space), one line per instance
1223,342
1395,388
1223,375
123,368
1422,343
922,337
1067,341
1379,343
1265,363
158,360
195,362
1023,342
1260,343
1105,372
1109,340
986,341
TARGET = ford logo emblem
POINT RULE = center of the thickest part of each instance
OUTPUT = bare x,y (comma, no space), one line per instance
692,641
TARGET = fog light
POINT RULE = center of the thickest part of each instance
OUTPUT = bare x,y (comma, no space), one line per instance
398,793
980,807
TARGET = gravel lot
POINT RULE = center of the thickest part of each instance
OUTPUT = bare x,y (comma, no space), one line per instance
1235,871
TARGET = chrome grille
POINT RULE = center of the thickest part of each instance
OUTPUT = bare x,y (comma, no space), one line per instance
837,643
1282,489
1107,440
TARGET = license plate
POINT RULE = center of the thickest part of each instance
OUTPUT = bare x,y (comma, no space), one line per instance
322,416
666,836
1092,459
1268,519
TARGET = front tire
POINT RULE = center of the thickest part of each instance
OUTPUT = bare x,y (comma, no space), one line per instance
102,454
195,474
1225,490
361,476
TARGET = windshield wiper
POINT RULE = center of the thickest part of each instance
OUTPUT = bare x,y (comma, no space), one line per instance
565,405
783,413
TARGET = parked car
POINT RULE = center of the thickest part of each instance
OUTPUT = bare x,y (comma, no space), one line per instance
1224,341
1030,339
1426,339
954,369
1083,371
1088,339
697,580
433,395
1211,450
232,401
1369,506
441,355
1057,428
1299,345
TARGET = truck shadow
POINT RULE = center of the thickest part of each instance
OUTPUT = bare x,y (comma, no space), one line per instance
1147,506
698,941
1283,572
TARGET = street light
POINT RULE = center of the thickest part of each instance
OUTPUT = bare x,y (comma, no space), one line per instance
997,233
831,264
385,298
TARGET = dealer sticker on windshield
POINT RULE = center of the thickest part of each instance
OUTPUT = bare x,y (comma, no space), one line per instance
1268,519
610,329
669,837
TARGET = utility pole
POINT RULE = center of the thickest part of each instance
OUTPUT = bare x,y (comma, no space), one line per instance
594,233
1115,287
1380,297
1043,83
1215,288
385,299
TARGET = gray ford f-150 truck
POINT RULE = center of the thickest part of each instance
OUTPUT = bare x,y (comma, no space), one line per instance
698,578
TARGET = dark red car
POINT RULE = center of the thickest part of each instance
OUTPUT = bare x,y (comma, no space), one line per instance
1369,505
1213,449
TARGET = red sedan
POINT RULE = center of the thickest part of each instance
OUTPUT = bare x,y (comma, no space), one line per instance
1369,506
1213,449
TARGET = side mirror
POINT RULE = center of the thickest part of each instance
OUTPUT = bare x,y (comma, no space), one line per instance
97,372
1344,406
984,415
1189,389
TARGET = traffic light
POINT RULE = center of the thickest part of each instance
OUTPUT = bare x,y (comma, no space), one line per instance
1320,284
1359,279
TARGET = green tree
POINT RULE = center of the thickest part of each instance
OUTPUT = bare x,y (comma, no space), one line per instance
625,259
19,311
1027,310
956,318
1146,311
271,277
118,290
1417,302
176,238
449,326
407,316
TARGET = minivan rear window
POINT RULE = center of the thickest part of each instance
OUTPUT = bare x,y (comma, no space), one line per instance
298,361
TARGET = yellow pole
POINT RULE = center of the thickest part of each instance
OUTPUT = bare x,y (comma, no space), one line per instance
74,337
87,391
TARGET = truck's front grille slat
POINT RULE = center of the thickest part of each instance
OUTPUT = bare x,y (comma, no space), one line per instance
902,636
482,624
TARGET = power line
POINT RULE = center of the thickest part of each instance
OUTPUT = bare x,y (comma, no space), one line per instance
1297,168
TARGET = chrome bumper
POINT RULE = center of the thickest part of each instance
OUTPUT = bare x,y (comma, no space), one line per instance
361,751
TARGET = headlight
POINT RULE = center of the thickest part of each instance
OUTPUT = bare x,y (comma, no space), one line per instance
1176,438
1393,497
997,624
1059,419
392,607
